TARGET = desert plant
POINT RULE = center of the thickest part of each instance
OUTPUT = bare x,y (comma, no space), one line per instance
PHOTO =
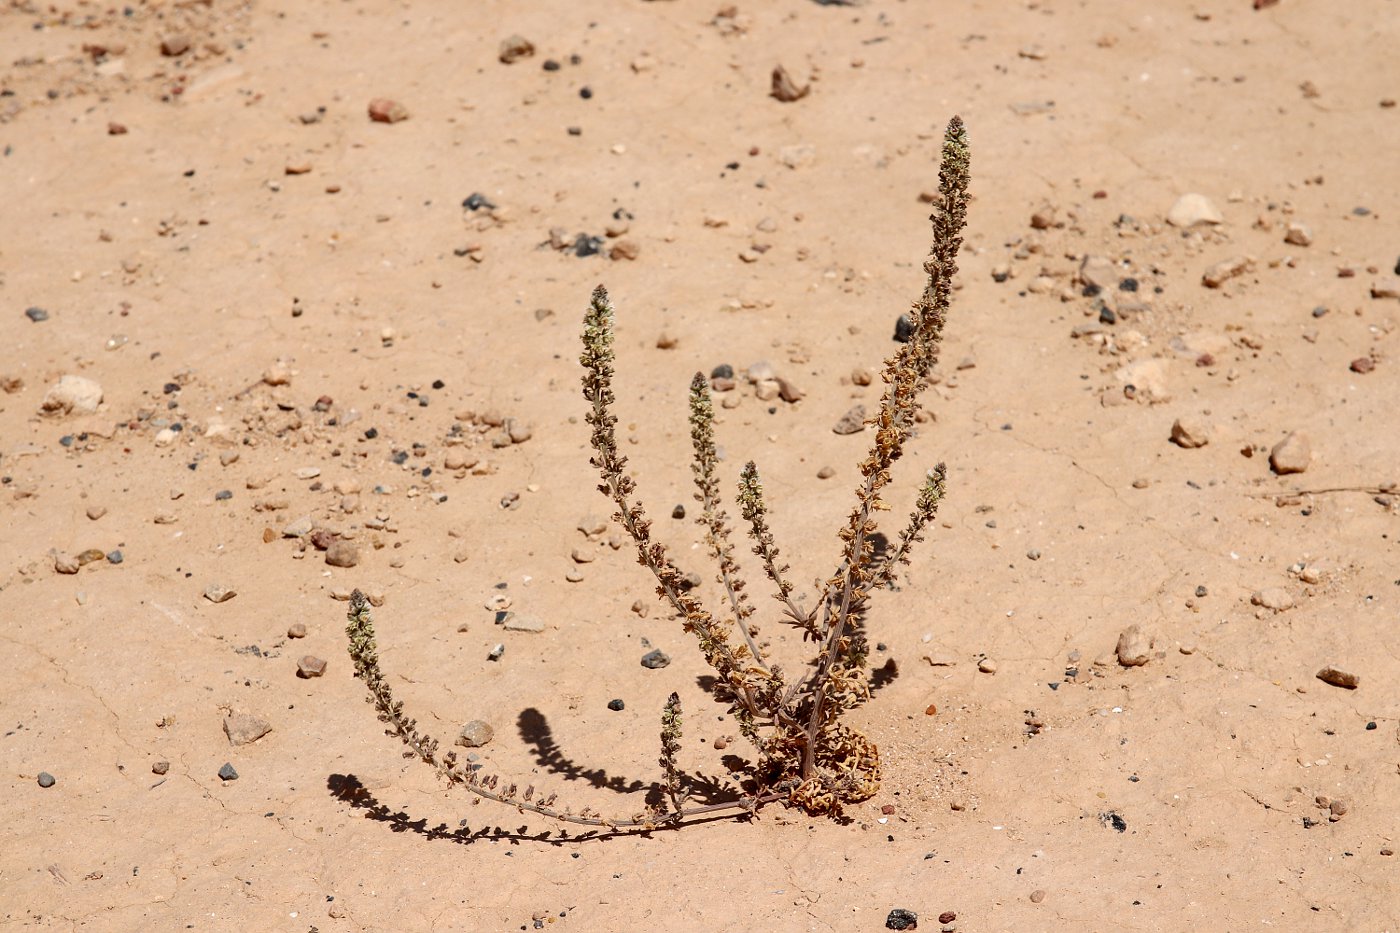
806,756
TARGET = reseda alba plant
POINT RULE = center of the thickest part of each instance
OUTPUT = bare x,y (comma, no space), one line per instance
806,756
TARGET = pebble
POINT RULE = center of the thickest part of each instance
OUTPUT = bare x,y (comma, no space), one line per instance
1275,598
1037,896
513,48
218,593
1221,272
1291,455
296,630
625,248
903,330
46,779
1193,209
1033,554
722,371
175,45
165,437
228,457
1190,433
789,392
517,432
523,623
852,422
298,528
826,472
1298,235
495,653
475,734
310,666
160,767
784,89
901,919
1134,647
581,556
65,563
1098,272
1339,678
987,666
1363,365
72,395
947,916
1388,287
678,511
384,110
342,553
36,314
226,773
616,706
458,460
656,659
243,728
115,557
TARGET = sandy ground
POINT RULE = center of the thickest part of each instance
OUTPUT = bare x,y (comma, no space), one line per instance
302,337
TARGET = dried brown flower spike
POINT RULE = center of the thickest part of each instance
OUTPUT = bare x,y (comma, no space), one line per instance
806,755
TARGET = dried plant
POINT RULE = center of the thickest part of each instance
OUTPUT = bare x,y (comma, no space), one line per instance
806,756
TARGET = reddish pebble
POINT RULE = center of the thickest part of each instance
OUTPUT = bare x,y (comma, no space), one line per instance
947,916
384,110
1363,365
116,129
887,809
310,666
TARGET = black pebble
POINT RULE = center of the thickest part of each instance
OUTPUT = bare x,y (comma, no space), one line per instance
46,779
901,919
439,384
476,200
903,328
400,457
1319,311
575,131
722,371
1116,821
1091,291
114,557
585,92
223,494
36,314
585,245
1106,315
1128,285
550,65
170,388
678,511
226,773
1370,727
1201,591
616,705
371,434
654,660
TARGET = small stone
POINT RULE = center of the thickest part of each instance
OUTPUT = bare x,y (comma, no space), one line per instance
1134,647
276,375
1275,598
218,593
1388,287
518,432
1037,896
1001,272
116,129
384,110
678,511
37,315
1298,235
987,666
243,728
342,553
1098,272
655,659
947,916
496,653
310,666
666,341
901,919
89,556
475,734
789,392
1190,433
1339,678
298,528
1338,809
1221,272
514,622
1291,455
160,767
513,48
581,556
296,630
226,773
616,706
862,375
65,563
1193,209
174,46
165,517
72,395
228,457
1033,554
903,330
826,472
784,89
165,437
1362,365
625,248
46,779
115,557
852,422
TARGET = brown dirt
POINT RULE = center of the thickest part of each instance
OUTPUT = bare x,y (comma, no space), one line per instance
180,261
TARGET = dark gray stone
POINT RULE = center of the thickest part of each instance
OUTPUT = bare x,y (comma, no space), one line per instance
46,779
655,660
226,773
